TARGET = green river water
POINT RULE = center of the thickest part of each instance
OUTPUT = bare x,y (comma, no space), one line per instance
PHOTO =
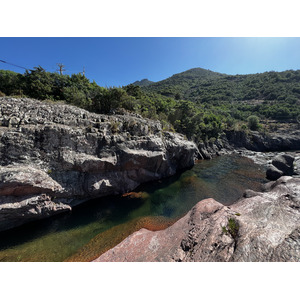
96,226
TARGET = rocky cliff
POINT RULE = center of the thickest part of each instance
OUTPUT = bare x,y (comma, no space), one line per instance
54,156
259,227
282,140
231,141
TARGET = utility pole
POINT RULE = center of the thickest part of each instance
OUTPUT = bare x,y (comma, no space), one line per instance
61,68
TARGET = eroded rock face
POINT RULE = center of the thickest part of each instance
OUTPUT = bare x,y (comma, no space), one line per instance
67,155
259,227
255,141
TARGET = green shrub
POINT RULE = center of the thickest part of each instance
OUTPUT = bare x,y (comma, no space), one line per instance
244,127
253,122
233,227
114,127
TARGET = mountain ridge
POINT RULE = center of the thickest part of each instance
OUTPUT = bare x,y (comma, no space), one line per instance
201,85
143,82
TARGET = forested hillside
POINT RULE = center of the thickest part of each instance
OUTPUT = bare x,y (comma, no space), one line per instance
178,84
205,86
198,103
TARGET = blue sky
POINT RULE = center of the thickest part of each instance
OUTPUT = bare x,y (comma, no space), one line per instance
120,61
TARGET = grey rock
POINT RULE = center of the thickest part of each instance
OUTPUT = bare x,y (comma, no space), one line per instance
273,173
20,180
255,141
296,166
71,155
15,211
282,165
213,148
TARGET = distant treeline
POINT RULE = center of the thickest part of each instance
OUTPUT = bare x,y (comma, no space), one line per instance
201,107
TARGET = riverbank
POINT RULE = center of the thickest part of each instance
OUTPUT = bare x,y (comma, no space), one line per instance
261,226
260,147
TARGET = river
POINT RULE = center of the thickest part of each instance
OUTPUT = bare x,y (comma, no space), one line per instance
98,225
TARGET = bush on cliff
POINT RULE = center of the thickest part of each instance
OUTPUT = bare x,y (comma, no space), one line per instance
253,122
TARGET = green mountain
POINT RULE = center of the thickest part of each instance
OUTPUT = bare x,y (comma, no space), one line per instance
200,85
181,83
143,82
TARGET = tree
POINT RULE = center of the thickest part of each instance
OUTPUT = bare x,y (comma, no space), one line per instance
38,83
10,82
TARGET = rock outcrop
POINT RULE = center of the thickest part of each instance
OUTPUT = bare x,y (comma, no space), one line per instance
216,147
259,227
282,165
54,156
256,141
240,141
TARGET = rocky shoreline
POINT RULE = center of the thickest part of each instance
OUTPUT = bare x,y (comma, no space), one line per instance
54,156
259,227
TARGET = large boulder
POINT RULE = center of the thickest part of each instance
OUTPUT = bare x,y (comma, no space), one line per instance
262,226
282,165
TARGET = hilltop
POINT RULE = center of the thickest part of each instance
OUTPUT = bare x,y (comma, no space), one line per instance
182,81
143,82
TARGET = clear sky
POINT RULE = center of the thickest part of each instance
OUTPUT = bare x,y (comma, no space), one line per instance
120,61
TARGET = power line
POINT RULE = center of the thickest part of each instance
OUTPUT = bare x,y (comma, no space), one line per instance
5,62
61,68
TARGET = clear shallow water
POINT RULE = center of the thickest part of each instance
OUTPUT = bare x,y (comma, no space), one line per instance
94,227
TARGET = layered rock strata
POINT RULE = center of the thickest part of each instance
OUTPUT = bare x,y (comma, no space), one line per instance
54,156
259,227
256,141
253,141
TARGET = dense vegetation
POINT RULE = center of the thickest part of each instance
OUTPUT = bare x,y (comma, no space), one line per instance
199,103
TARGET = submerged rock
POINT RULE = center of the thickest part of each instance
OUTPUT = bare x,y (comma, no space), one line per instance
66,155
259,227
